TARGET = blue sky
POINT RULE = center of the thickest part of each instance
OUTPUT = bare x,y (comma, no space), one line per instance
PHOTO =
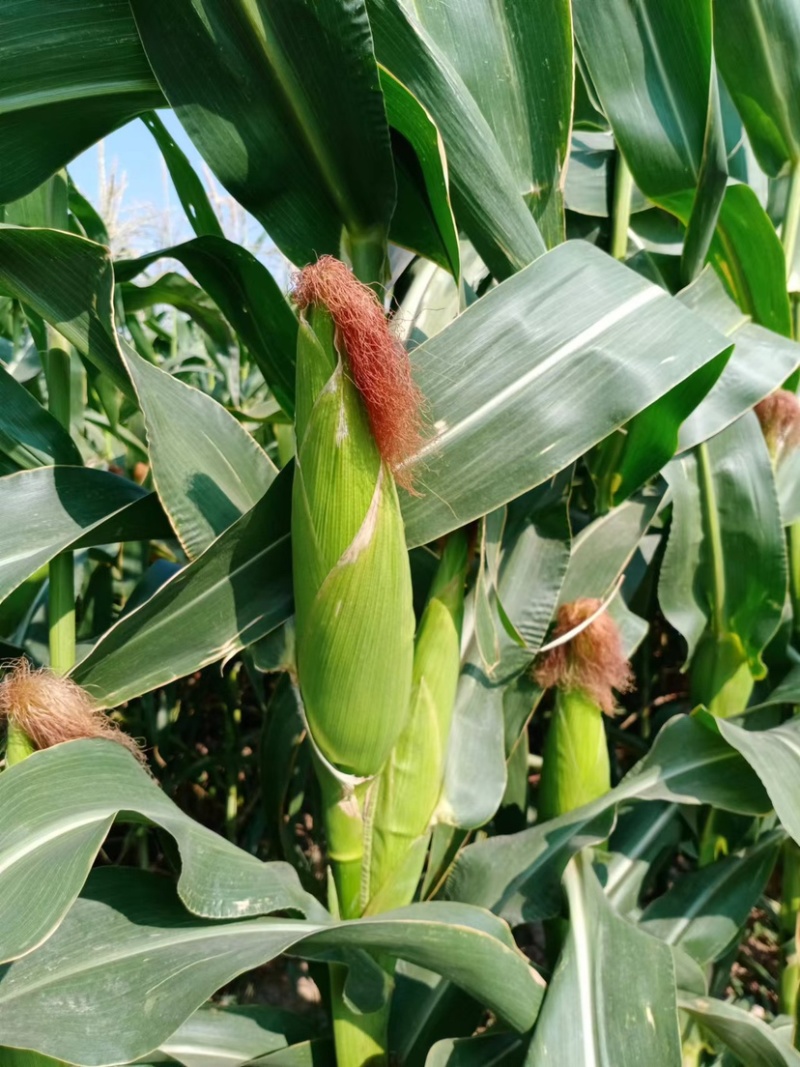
136,154
150,213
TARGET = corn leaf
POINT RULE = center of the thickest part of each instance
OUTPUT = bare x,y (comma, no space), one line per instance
757,52
304,160
29,434
546,364
621,978
70,795
487,199
528,103
519,876
748,1037
762,360
702,578
130,931
65,507
70,75
237,591
249,298
207,468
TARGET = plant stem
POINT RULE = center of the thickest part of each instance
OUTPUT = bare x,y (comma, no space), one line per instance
714,535
367,252
790,905
621,209
791,219
361,1040
61,569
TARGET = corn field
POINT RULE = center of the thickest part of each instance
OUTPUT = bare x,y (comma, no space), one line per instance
400,667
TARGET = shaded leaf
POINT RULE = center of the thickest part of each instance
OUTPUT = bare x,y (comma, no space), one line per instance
58,508
130,932
304,160
237,591
749,1038
611,1001
29,434
70,75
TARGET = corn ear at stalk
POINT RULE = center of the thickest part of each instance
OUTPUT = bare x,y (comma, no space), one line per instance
404,797
576,767
357,417
720,674
584,670
353,597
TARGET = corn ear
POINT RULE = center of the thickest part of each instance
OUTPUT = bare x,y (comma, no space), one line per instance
353,596
407,791
721,675
576,768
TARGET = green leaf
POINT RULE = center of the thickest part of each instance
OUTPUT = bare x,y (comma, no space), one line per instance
129,932
235,1035
702,577
86,216
21,1058
486,196
518,876
207,468
57,274
247,295
761,361
486,1050
46,205
757,52
534,559
748,1037
775,757
188,186
528,101
70,75
57,507
176,290
423,218
29,434
652,67
251,83
747,255
59,805
577,339
704,911
590,1017
644,835
237,591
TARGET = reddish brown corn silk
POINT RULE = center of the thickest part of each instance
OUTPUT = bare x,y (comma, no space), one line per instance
378,362
51,709
593,660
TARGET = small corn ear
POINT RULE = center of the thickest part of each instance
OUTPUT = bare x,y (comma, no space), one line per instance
721,676
584,670
353,596
576,768
407,791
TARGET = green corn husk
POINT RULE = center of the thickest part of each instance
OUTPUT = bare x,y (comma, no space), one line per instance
405,795
720,675
576,767
352,582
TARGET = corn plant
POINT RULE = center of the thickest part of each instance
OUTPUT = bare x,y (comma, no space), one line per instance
427,630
